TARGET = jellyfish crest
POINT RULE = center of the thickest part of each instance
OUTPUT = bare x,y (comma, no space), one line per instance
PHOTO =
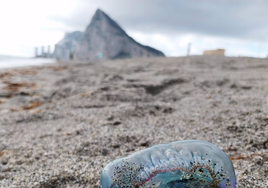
186,164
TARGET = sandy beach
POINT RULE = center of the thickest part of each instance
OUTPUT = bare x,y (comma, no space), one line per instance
61,124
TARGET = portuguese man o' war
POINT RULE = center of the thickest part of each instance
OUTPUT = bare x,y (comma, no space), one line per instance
181,164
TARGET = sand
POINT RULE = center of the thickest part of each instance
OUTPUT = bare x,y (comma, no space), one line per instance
61,124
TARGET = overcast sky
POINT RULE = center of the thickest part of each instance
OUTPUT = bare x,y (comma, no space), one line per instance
240,27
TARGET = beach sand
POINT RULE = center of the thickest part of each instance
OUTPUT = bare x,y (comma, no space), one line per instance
61,124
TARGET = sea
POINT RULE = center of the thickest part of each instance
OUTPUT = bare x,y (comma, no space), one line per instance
12,61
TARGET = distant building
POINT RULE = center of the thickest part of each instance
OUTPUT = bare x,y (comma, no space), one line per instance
43,54
220,52
43,51
36,52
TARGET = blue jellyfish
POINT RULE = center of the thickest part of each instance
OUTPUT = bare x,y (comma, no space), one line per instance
180,164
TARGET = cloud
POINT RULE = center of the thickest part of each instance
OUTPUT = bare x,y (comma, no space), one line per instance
177,45
24,25
239,26
237,19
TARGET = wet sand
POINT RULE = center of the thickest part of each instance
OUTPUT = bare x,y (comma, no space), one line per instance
60,125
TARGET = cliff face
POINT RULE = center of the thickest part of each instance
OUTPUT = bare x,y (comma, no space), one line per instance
65,49
105,39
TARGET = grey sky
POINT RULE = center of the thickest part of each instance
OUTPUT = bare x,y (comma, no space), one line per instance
239,26
238,19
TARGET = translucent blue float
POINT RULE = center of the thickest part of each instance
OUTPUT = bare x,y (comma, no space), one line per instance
181,164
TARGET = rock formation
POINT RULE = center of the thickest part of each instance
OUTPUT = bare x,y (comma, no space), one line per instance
103,39
65,49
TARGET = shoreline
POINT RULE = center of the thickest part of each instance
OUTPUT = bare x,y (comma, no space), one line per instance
18,62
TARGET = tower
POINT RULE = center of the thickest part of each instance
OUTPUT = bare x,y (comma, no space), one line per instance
189,49
43,51
36,51
48,51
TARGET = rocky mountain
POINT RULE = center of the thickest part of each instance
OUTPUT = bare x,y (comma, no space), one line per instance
65,49
105,39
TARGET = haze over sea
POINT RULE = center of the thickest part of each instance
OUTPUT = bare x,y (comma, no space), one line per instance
12,61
